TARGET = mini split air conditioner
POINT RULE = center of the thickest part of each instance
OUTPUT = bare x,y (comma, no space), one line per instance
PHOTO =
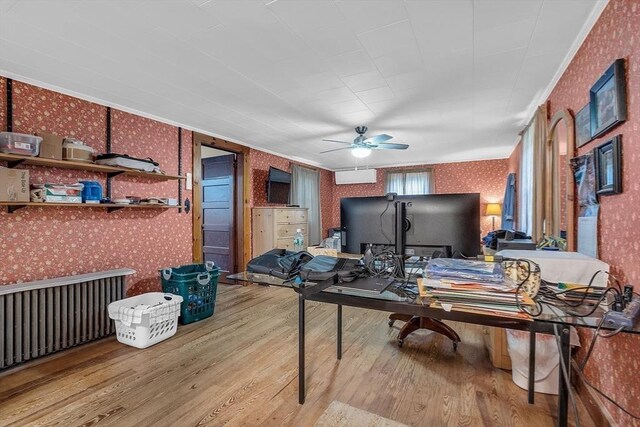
361,176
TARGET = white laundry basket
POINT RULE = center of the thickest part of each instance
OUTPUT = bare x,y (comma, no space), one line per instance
146,319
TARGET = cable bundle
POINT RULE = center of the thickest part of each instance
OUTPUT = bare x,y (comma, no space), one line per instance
547,295
385,264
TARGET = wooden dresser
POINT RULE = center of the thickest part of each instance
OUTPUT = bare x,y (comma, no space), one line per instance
275,228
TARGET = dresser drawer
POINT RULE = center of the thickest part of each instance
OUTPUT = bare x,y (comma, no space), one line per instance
289,216
289,230
301,216
286,243
285,216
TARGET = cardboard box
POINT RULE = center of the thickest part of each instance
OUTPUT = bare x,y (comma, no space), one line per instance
51,198
316,250
14,185
51,146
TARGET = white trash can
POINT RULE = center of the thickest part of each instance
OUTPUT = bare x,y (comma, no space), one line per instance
146,319
547,369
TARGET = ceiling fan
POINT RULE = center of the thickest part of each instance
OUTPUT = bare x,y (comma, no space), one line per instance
362,146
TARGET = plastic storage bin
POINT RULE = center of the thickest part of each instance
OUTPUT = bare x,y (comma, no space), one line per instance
146,319
91,192
197,284
19,143
77,151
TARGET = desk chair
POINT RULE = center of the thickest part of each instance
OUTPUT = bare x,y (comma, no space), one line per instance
413,323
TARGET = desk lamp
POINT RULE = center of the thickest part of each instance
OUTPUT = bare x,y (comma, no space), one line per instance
493,210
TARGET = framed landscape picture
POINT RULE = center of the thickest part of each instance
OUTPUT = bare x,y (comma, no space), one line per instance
608,100
608,164
583,126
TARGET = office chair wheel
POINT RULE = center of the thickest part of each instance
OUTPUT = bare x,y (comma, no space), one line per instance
391,322
400,342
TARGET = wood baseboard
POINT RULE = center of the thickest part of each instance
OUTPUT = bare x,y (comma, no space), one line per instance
591,400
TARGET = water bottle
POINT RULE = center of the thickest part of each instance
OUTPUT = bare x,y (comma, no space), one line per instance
298,241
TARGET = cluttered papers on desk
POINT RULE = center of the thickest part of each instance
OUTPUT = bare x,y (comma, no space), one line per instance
480,298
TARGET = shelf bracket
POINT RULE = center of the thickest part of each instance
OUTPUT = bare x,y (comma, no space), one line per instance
108,149
112,174
13,163
9,85
180,168
114,208
13,208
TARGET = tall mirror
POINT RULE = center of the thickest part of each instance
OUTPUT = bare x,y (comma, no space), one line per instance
558,180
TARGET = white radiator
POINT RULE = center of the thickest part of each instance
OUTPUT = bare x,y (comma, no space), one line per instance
45,316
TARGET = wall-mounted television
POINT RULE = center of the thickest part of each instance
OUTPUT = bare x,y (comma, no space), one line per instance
278,186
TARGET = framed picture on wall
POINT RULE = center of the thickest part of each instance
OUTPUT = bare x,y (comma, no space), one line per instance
608,99
583,125
608,163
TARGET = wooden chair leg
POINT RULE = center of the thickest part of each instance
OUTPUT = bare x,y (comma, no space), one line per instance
399,316
411,326
441,328
416,323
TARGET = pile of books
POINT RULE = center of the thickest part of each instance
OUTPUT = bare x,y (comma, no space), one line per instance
475,286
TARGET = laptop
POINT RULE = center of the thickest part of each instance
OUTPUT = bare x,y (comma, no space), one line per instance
375,285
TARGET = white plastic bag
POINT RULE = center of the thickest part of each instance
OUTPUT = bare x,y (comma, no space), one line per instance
547,363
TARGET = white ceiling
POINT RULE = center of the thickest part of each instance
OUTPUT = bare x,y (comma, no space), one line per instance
455,79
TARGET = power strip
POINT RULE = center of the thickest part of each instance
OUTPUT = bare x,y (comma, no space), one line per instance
626,318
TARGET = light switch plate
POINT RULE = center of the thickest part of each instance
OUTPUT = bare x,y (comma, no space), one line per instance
189,182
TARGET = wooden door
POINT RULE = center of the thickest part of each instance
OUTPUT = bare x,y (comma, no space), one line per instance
218,231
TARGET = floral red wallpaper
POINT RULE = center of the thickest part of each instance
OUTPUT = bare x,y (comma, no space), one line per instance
487,177
615,35
40,243
260,163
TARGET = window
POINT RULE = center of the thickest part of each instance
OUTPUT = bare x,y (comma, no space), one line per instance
409,183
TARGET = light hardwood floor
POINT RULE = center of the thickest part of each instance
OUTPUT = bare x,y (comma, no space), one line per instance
239,368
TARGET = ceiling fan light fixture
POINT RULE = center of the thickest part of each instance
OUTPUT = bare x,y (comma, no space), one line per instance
360,152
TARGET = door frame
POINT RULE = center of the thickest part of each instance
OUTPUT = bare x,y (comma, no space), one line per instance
242,190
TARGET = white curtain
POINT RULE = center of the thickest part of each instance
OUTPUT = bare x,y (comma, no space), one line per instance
525,193
305,191
417,183
531,183
409,183
395,183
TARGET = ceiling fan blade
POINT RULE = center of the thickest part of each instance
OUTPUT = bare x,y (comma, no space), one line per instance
390,146
335,149
333,140
377,139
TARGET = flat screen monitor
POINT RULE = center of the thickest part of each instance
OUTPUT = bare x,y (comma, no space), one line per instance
443,222
278,186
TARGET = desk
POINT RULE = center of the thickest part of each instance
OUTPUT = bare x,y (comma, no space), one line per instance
552,321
